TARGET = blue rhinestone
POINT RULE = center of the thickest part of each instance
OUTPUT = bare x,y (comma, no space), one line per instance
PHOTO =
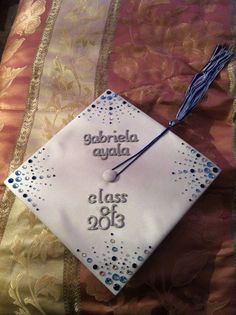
103,97
89,260
109,97
115,277
29,199
15,185
116,287
115,249
108,281
193,151
18,172
18,179
10,180
123,279
210,175
206,170
209,164
140,258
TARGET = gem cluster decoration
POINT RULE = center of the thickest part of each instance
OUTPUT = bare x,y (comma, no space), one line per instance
109,108
195,172
115,265
32,177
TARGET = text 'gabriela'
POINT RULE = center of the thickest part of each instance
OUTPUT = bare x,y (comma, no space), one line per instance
118,149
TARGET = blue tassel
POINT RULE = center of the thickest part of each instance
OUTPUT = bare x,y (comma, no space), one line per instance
195,92
202,80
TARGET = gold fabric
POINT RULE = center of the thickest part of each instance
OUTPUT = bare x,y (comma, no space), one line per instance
62,84
59,56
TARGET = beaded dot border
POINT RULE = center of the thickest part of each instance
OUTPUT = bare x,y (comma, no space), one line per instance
195,172
31,177
109,108
115,265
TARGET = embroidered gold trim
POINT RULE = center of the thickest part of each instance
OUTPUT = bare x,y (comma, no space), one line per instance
71,284
32,102
105,48
71,289
232,86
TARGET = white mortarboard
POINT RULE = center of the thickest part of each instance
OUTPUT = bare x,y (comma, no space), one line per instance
112,227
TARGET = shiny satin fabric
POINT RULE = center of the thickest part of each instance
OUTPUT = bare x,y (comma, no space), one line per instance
59,56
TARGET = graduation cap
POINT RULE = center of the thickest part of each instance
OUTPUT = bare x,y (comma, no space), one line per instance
113,182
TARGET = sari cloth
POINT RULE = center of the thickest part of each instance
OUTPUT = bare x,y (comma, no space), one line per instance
60,55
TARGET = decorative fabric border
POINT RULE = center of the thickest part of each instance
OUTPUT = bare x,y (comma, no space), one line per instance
71,289
105,50
71,284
